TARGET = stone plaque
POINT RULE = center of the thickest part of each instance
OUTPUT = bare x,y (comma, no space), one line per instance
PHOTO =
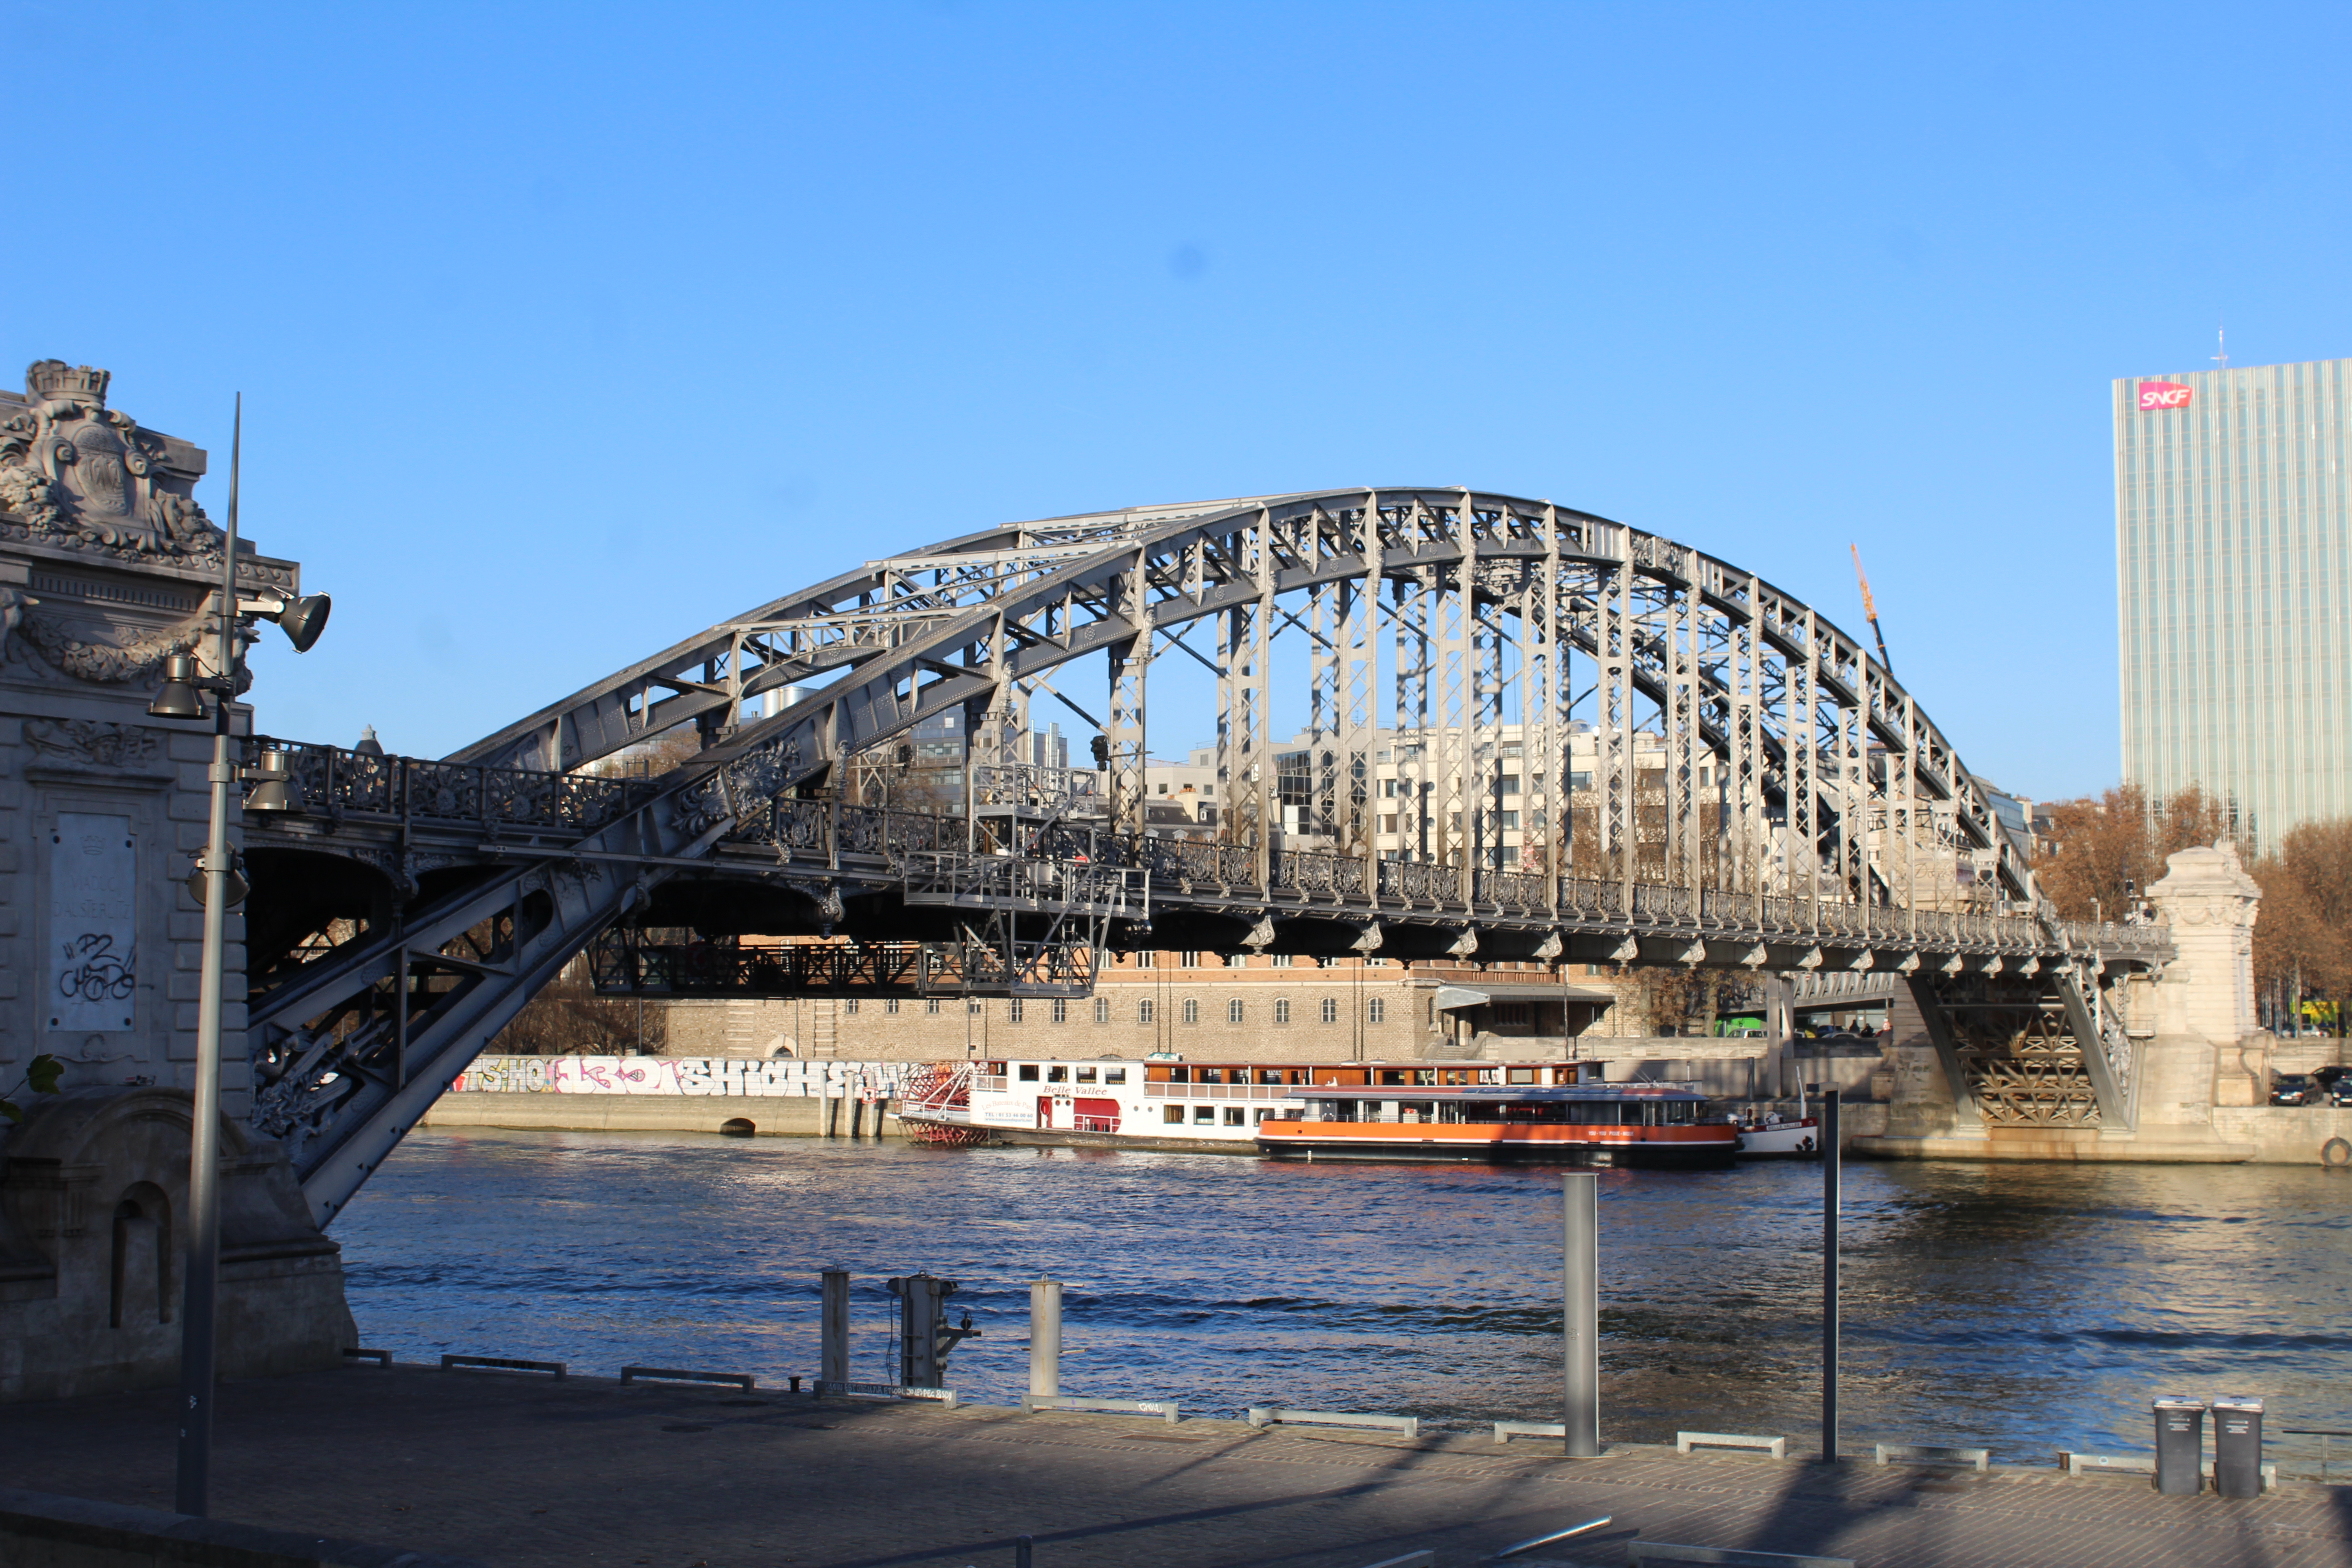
94,922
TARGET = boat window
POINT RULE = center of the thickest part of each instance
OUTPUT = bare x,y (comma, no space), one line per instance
1028,1072
1086,1075
1521,1075
1204,1113
1393,1075
1269,1075
995,1068
1296,1075
1175,1117
1180,1075
1425,1076
1678,1112
1114,1075
1235,1116
1265,1116
1057,1074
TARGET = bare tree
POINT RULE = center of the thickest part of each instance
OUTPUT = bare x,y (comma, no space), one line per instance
568,1019
2102,854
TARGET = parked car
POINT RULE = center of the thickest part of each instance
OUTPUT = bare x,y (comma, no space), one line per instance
2293,1088
2340,1095
2329,1077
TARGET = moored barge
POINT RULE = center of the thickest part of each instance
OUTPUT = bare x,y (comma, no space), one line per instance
1590,1124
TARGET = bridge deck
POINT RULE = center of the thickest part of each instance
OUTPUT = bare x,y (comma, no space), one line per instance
521,1473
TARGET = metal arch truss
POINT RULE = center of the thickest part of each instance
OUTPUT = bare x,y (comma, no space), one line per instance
1759,793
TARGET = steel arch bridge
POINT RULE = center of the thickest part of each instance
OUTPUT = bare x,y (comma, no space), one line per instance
1758,793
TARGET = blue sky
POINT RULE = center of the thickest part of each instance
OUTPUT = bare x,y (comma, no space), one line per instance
566,331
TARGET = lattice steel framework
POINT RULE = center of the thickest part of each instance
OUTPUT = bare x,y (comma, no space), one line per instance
1765,794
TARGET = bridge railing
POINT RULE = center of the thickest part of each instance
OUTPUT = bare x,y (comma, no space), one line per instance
334,780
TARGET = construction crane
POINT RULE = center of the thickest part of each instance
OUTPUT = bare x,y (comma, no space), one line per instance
1870,609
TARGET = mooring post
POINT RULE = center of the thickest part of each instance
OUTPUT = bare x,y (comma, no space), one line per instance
1045,1337
833,1354
1581,1320
1831,1155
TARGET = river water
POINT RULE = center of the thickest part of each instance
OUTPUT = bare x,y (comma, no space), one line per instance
2030,1308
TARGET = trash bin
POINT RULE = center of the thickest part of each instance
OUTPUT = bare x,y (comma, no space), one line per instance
2237,1446
2180,1444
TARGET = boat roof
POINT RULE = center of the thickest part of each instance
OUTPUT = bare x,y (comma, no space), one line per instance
1495,1092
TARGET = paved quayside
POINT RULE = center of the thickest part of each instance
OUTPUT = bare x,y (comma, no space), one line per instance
523,1471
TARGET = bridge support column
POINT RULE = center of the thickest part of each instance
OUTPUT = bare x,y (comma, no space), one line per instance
108,568
2207,1053
1931,1100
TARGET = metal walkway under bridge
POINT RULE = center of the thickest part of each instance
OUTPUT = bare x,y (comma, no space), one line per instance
1703,771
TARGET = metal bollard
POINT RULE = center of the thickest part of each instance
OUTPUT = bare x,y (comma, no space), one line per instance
1023,1552
1581,1320
1045,1337
832,1357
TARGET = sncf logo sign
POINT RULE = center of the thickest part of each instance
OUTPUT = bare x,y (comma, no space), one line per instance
2153,394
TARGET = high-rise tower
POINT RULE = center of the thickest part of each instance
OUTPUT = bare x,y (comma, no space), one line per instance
2233,568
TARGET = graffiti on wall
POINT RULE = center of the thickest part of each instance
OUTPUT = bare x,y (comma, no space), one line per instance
683,1075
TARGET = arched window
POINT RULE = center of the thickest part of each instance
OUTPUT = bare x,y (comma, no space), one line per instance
1282,1009
1191,1010
1234,1010
1330,1009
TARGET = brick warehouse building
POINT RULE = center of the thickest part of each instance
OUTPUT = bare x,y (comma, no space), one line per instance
1265,1008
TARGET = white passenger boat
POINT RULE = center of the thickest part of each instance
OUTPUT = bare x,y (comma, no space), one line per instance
1110,1104
1774,1136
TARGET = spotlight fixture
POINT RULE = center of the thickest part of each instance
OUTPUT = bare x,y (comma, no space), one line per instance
275,787
178,699
300,619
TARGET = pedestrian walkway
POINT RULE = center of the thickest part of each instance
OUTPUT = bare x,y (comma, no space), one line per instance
522,1472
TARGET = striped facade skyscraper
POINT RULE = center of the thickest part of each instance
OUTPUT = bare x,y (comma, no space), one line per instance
2233,568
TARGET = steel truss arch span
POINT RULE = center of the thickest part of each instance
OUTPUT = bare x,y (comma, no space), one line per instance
1758,793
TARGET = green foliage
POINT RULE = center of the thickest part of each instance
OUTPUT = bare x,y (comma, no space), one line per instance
41,1076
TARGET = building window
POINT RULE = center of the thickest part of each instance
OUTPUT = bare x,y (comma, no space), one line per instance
973,1009
1280,961
1191,1010
1510,783
1376,1011
1189,959
930,1003
1102,1009
1061,1010
1330,1009
1013,1011
1508,820
851,1008
890,1005
1143,1011
1579,781
1282,1009
1510,854
1234,1010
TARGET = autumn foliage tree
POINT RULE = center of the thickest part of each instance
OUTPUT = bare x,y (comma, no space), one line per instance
2102,853
2303,939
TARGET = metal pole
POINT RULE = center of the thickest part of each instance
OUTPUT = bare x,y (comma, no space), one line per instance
197,1337
1045,1337
1581,1320
833,1354
1830,1197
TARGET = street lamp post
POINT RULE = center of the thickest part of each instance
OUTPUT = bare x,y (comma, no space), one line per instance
218,886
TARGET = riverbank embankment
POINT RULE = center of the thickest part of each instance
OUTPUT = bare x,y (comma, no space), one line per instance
525,1471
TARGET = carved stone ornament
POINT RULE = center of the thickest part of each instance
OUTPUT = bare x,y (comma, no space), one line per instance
2207,886
92,743
107,664
75,473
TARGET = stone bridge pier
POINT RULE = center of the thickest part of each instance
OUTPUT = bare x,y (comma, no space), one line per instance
1983,1074
107,566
